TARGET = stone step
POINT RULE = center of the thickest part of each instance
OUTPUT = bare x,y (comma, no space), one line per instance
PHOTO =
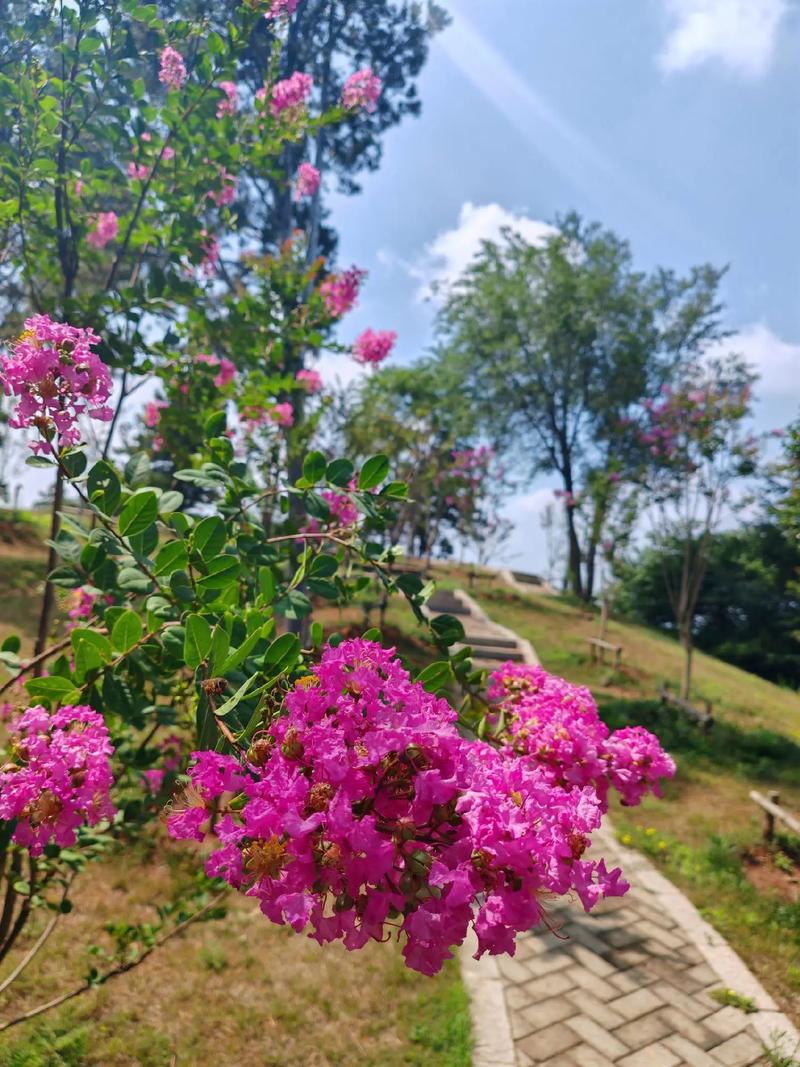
497,654
447,605
490,639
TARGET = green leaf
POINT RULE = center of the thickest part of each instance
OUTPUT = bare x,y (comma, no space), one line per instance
323,566
281,654
170,558
91,651
133,581
104,488
215,424
410,584
74,462
208,536
137,470
239,655
373,472
323,587
169,501
340,472
197,642
11,644
237,698
447,629
435,676
181,586
222,571
39,461
317,634
140,511
266,583
220,644
314,467
52,688
126,631
66,578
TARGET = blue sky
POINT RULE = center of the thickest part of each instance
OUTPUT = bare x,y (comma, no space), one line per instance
675,122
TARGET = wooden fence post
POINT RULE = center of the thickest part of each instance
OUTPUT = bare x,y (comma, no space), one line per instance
769,821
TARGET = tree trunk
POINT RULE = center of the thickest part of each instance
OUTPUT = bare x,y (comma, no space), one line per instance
49,595
688,650
604,617
574,565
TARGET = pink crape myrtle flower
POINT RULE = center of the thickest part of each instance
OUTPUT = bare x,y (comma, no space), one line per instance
307,181
172,72
558,724
137,171
362,810
106,228
281,414
227,105
373,347
167,153
340,291
281,7
58,777
171,749
226,374
362,89
291,94
343,511
309,379
226,194
80,185
210,261
57,376
152,413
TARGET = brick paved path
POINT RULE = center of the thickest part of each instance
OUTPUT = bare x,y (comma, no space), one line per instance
627,985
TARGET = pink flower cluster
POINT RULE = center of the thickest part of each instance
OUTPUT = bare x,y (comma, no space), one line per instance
307,181
310,380
226,372
58,776
152,413
227,105
361,89
681,426
557,724
57,376
374,346
343,511
226,194
172,72
363,808
291,94
281,7
106,228
340,291
281,414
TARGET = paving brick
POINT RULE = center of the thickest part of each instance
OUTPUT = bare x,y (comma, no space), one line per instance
520,1025
739,1051
635,1004
726,1022
632,979
622,937
695,1007
547,1012
586,1056
703,974
601,988
597,1036
517,998
587,937
589,959
550,985
688,1051
623,958
602,1013
549,1042
656,1055
553,960
514,971
697,1033
657,933
643,1031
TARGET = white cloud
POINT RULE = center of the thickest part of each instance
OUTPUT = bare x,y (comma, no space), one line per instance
339,369
741,34
777,362
448,255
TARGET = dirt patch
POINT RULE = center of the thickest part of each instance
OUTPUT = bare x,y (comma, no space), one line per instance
771,871
19,534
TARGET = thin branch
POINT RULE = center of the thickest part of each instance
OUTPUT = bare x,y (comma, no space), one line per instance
115,972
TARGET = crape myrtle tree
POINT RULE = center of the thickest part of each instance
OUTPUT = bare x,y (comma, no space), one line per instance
698,447
557,341
318,777
422,417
